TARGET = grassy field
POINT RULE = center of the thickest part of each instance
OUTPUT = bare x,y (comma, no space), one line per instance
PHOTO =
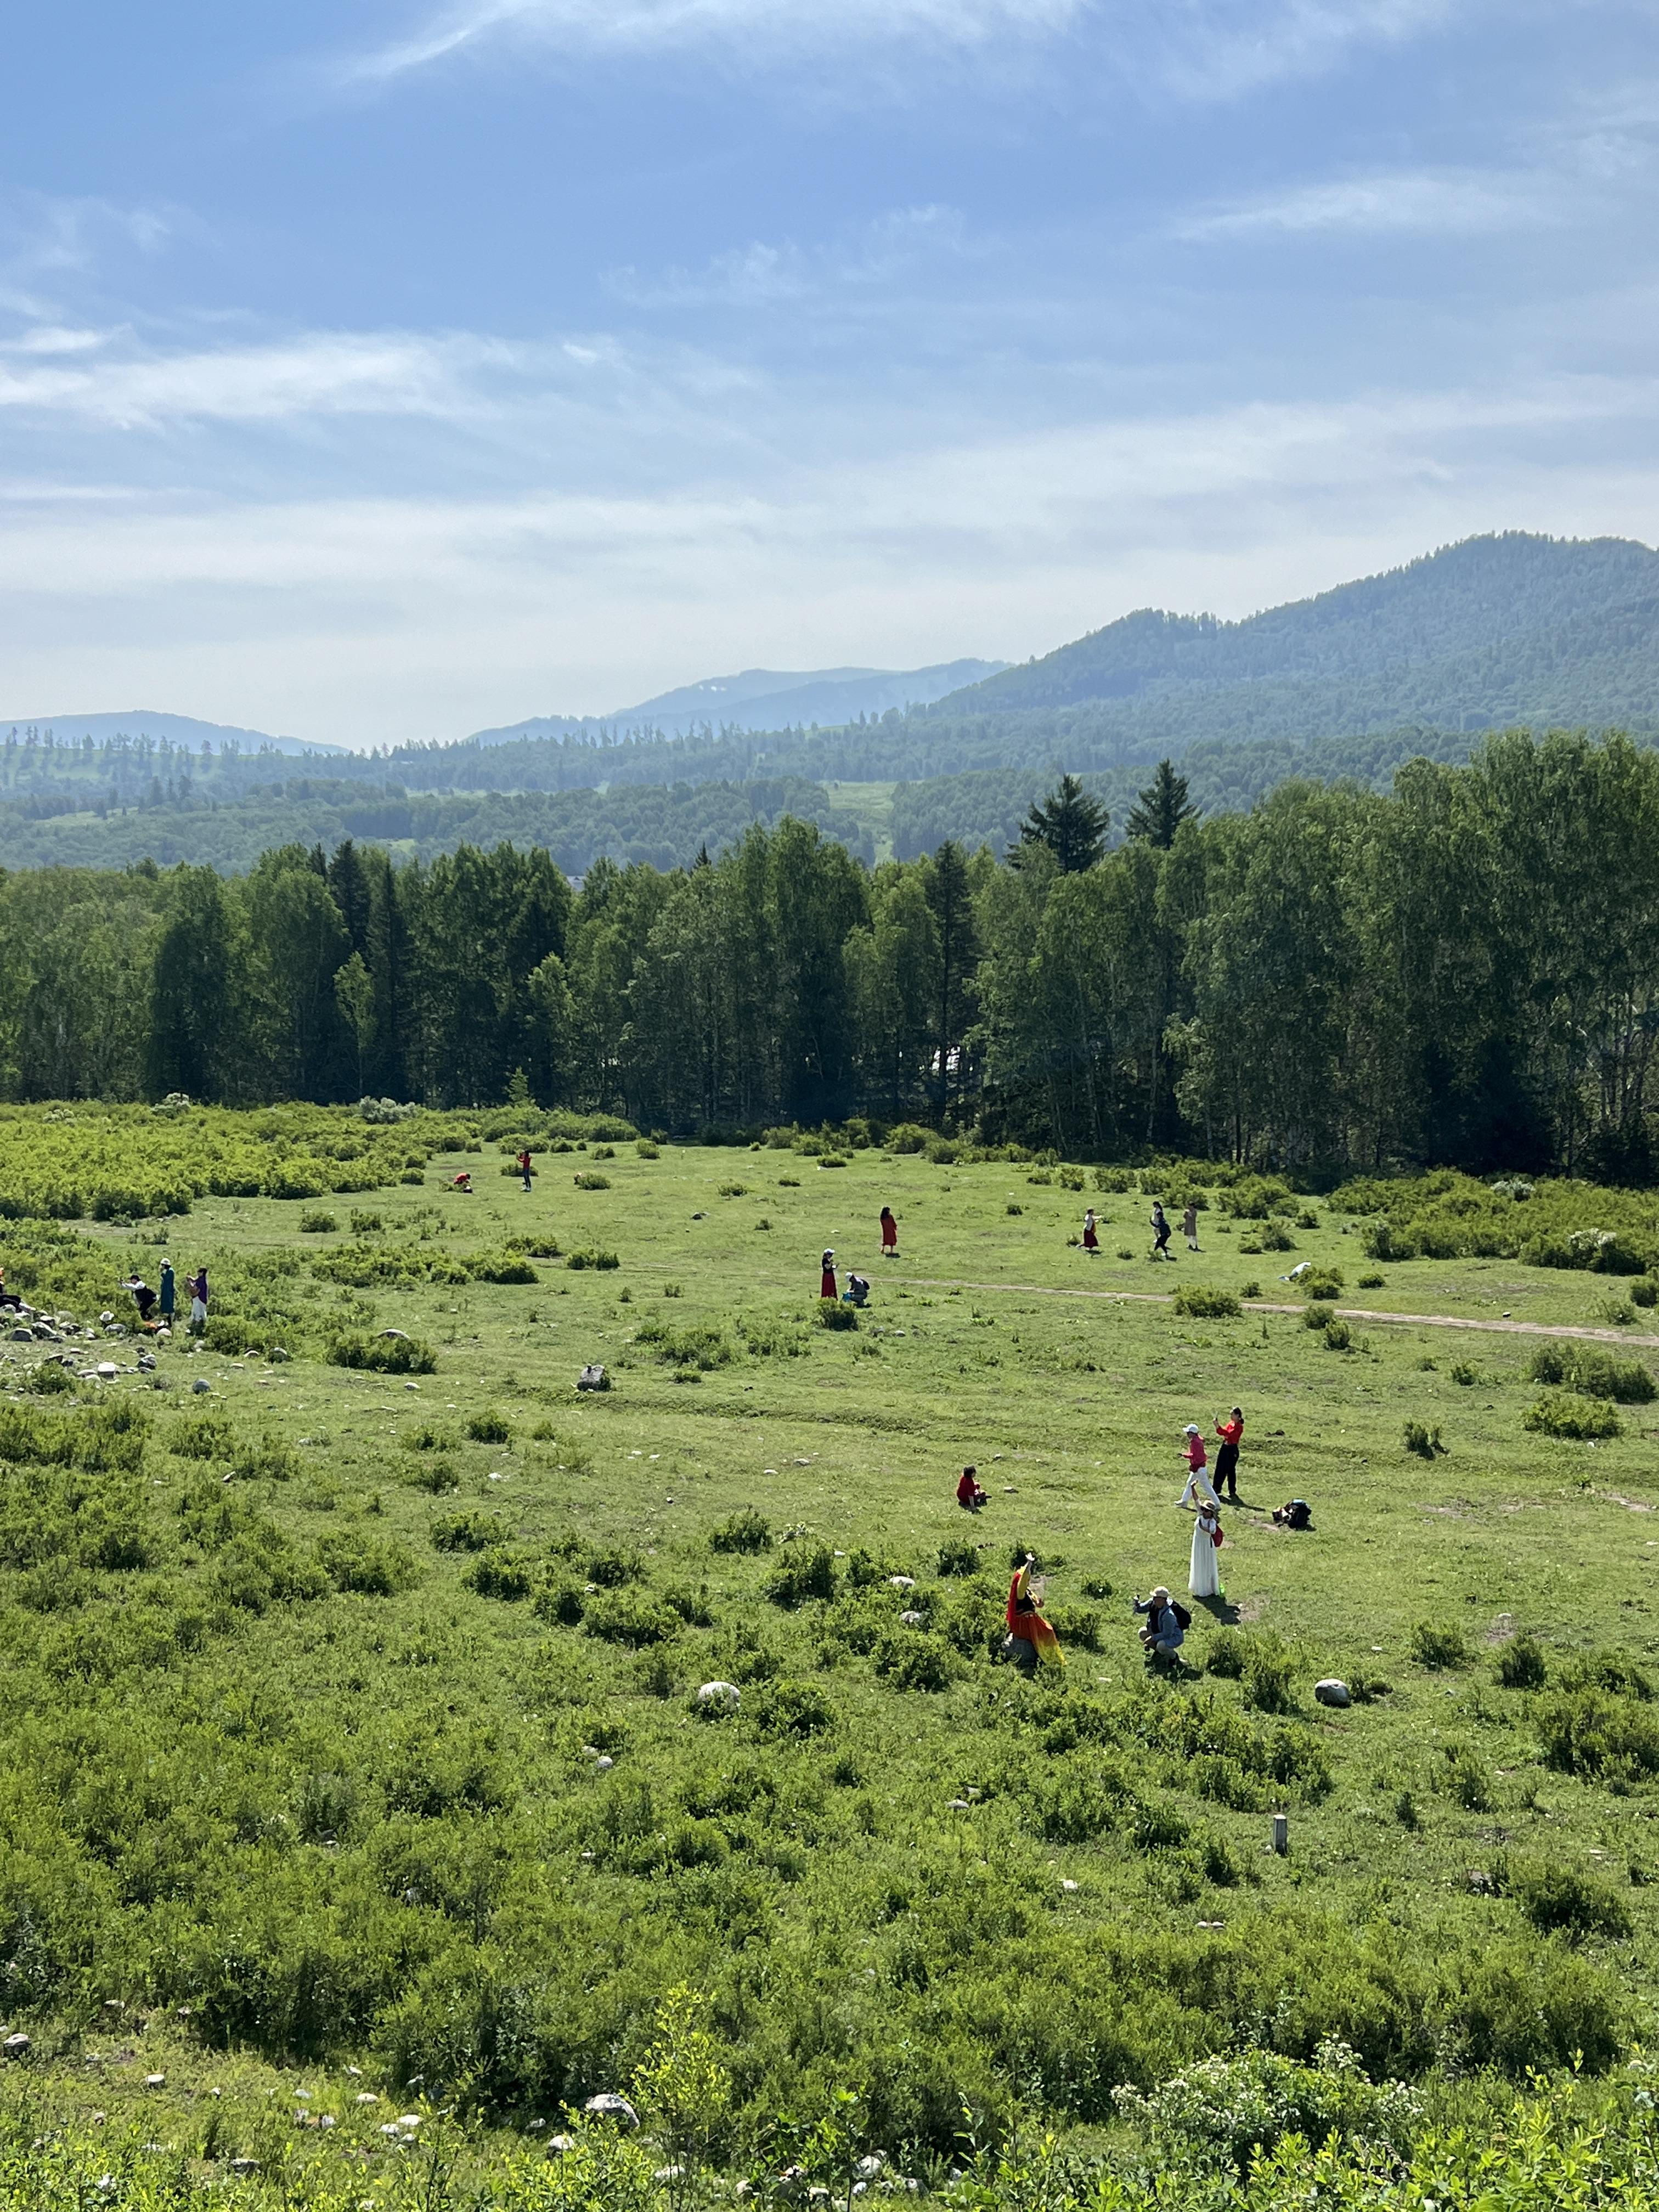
350,1716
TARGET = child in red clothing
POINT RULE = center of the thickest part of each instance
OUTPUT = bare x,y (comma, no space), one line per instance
969,1496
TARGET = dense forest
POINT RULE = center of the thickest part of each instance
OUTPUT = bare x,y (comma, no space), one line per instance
1464,971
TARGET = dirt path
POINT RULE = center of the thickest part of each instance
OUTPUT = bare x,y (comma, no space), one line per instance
1263,1305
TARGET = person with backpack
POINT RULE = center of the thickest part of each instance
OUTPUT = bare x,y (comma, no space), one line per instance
1167,1623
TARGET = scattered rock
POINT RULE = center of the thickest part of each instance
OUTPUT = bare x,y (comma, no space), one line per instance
156,2080
398,1335
1332,1691
901,1582
913,1620
608,2106
16,2046
603,1765
245,2165
200,1386
278,1355
106,1370
1068,1885
556,2145
593,1377
727,1695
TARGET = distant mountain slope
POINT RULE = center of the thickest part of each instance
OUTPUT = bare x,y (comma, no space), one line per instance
762,699
1494,630
179,730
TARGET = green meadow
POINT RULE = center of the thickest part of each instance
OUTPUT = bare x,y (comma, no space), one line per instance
352,1741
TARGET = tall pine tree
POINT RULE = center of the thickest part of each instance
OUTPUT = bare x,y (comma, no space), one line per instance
1163,808
1070,825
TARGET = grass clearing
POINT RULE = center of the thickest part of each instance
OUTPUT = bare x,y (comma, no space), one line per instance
353,1708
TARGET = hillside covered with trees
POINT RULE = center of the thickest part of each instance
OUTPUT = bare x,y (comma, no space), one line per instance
1465,971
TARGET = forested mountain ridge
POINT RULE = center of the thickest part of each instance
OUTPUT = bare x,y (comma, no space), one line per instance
1510,628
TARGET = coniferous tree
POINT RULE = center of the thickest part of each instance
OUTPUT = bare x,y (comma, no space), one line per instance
1069,824
1163,806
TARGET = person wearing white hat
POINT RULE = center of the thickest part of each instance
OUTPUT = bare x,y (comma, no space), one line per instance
827,1281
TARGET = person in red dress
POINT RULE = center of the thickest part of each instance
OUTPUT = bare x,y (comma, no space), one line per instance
1090,1234
827,1281
888,1233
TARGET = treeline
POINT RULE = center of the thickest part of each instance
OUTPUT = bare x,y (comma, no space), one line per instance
1465,971
665,825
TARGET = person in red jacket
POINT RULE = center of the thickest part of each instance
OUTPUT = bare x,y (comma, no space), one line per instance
969,1496
888,1233
524,1168
1232,1433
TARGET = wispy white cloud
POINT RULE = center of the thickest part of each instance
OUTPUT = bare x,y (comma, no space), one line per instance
319,375
760,274
763,30
1464,202
1197,49
55,338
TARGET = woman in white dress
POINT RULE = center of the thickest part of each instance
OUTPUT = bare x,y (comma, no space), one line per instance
1203,1575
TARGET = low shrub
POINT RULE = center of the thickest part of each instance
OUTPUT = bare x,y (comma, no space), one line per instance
1438,1645
632,1616
1322,1283
832,1313
698,1344
591,1179
209,1437
503,1267
1564,1413
1520,1664
734,1190
1560,1900
382,1355
501,1573
959,1557
354,1561
911,1659
1226,1655
1373,1281
488,1428
1608,1670
747,1531
1339,1336
615,1566
1197,1302
1422,1440
1595,1733
602,1261
787,1707
1594,1372
1317,1315
1269,1673
318,1224
803,1573
465,1532
1274,1236
49,1380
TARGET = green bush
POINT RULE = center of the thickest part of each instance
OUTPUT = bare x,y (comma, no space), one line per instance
1594,1372
1438,1645
1196,1301
803,1573
957,1556
604,1262
1317,1315
465,1532
1590,1732
502,1267
789,1708
698,1344
501,1573
1321,1282
632,1616
1422,1440
1564,1413
591,1179
747,1531
354,1561
489,1427
382,1355
1520,1664
318,1224
1226,1655
1560,1900
1269,1673
1339,1336
832,1313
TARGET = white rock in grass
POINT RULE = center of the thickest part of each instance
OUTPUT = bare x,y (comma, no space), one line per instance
913,1620
608,2106
901,1582
724,1694
1332,1691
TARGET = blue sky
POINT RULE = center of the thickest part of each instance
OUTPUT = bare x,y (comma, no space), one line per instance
388,370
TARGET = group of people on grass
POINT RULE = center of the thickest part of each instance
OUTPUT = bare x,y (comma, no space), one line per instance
1031,1640
157,1308
1160,1228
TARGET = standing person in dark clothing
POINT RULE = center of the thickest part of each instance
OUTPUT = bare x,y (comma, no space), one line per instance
169,1294
1160,1231
1232,1433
